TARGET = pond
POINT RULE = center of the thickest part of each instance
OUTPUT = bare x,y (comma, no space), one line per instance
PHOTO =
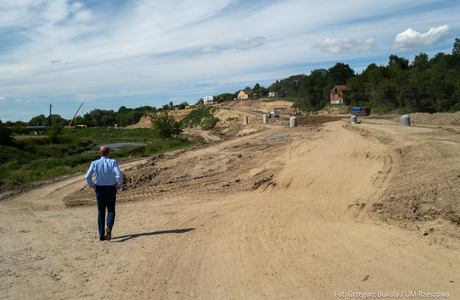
116,146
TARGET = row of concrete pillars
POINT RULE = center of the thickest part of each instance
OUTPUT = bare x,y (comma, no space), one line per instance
405,120
292,120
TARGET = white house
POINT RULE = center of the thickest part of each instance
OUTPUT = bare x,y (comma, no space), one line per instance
272,94
209,99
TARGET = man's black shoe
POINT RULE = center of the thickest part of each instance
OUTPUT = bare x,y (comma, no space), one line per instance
108,236
102,238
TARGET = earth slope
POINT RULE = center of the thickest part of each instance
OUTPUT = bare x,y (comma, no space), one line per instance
293,213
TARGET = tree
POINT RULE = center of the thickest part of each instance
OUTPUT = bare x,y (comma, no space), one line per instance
274,87
456,49
96,116
420,62
171,105
355,92
20,128
165,126
122,109
262,91
340,73
311,89
40,120
107,120
88,120
54,132
183,105
399,62
79,120
5,134
136,116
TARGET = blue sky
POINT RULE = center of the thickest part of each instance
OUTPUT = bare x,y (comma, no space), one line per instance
108,54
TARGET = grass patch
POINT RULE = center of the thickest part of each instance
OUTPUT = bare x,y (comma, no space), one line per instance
33,160
112,134
203,117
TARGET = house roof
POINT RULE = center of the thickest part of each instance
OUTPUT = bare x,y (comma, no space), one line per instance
339,88
248,92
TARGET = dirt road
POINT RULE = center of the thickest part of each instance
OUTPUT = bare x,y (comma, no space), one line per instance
304,213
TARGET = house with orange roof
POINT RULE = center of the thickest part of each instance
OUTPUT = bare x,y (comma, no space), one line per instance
245,94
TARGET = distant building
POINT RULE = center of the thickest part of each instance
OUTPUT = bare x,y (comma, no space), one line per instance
209,99
245,94
336,94
272,94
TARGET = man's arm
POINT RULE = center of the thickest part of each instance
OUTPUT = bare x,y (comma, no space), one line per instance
89,176
118,174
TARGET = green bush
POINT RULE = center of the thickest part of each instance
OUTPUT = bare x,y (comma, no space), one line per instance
203,117
19,128
5,134
54,132
165,126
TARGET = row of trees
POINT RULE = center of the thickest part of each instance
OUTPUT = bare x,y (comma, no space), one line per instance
425,85
99,117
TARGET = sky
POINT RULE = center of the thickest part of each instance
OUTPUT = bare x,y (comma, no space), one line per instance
133,53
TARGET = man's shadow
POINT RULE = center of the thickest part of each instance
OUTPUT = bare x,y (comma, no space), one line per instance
132,236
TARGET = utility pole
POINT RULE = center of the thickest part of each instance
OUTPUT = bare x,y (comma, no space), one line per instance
49,118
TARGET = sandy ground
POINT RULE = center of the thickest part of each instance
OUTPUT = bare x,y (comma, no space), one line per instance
282,213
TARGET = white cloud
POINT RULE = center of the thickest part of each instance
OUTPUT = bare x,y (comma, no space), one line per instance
142,75
250,42
18,100
58,61
2,100
43,96
345,45
411,39
229,84
29,101
209,50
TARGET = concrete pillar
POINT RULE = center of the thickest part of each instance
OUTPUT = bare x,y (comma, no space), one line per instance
245,120
405,120
265,118
293,122
354,120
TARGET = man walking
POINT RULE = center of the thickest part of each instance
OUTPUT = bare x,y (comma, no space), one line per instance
108,180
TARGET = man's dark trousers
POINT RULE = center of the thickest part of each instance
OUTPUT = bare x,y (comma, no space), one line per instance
106,197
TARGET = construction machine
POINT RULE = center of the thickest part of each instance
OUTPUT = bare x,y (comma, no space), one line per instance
70,124
274,114
220,99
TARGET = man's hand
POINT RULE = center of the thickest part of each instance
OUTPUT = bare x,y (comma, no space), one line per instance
116,186
94,186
